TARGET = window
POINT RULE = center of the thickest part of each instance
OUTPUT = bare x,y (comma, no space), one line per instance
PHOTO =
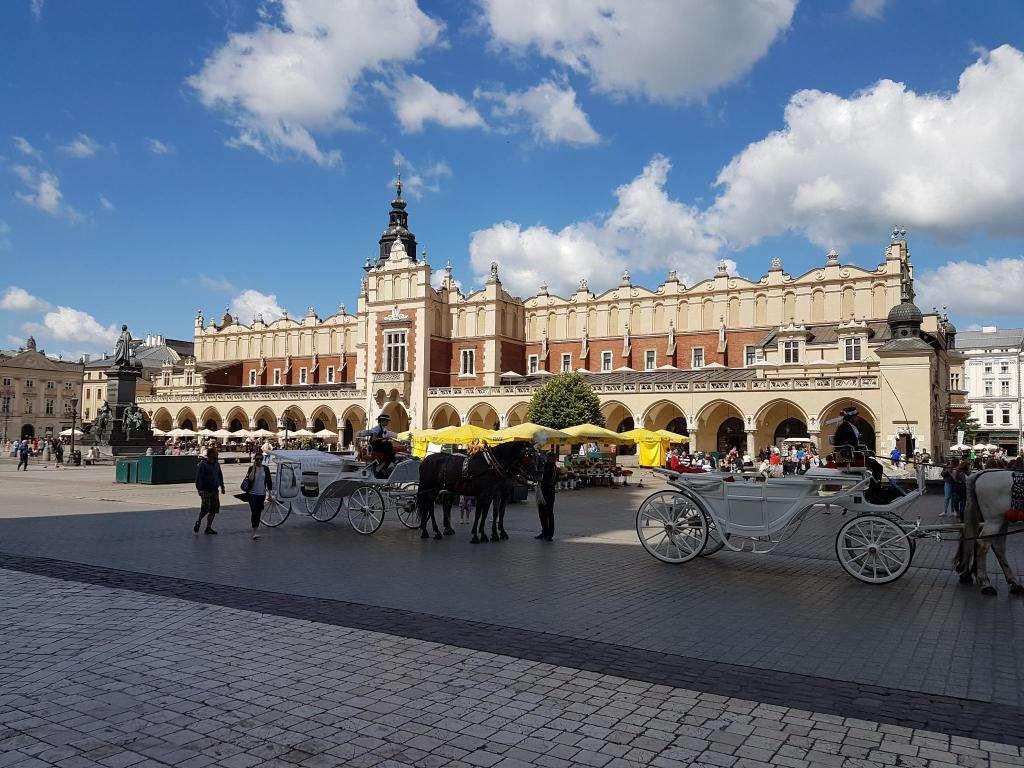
394,348
68,385
99,394
51,385
954,381
5,404
791,351
606,361
277,376
852,348
697,357
1004,388
1006,417
303,376
28,406
650,360
29,383
252,378
1004,367
468,362
49,408
87,393
990,416
531,364
749,355
988,368
566,362
86,417
7,381
188,378
167,379
988,389
330,374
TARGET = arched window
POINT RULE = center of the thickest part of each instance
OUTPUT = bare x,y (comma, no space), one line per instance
817,305
848,306
734,312
708,315
878,301
761,310
789,307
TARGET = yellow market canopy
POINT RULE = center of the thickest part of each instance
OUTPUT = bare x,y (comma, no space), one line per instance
672,437
650,446
528,431
595,434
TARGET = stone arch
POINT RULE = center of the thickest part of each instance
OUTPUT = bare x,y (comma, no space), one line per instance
399,416
617,417
444,415
211,419
517,414
292,419
185,419
353,420
760,309
28,431
866,422
709,421
658,415
482,415
162,419
264,418
817,305
236,419
323,417
778,419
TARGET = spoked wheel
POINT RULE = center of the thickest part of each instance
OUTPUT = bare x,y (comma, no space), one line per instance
671,527
715,541
326,510
275,512
366,508
874,549
407,509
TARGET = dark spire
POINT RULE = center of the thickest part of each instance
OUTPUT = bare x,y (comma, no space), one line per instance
398,226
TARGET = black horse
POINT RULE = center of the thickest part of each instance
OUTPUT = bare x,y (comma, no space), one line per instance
486,475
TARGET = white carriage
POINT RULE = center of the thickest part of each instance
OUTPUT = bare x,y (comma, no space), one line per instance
706,512
320,485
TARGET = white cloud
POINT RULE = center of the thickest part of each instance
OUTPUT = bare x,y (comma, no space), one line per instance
250,303
26,148
647,230
867,9
551,112
68,324
991,289
215,283
663,50
36,6
844,168
417,102
43,193
105,204
81,147
16,299
418,180
437,277
158,147
295,75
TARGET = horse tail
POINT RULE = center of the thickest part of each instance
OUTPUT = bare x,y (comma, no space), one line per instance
965,561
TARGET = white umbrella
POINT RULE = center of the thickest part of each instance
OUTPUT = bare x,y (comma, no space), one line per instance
979,446
990,447
301,433
158,432
241,433
327,434
223,434
204,432
183,432
960,447
263,433
512,375
68,432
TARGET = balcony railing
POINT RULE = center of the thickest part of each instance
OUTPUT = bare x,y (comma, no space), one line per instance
255,394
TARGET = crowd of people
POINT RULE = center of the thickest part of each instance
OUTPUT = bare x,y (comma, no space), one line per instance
50,450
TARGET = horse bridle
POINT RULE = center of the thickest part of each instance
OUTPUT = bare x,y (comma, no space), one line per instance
495,465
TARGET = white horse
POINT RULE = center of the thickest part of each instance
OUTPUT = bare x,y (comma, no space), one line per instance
985,524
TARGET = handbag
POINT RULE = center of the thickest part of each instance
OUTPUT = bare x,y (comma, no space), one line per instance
247,481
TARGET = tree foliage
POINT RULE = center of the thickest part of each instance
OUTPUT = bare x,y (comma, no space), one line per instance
969,425
565,401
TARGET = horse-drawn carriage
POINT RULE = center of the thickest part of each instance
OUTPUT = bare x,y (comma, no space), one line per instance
320,485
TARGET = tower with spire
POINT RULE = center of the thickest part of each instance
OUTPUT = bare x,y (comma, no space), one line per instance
398,227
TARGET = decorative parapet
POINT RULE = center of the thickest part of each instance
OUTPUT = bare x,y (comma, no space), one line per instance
752,385
242,396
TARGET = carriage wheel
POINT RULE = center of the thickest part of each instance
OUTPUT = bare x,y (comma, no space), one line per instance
671,527
715,540
366,508
327,510
275,512
874,549
408,510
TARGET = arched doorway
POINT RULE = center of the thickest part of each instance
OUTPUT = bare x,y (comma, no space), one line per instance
186,419
791,427
517,414
323,418
444,416
211,419
353,420
483,415
265,419
864,422
28,431
162,419
709,423
678,425
730,435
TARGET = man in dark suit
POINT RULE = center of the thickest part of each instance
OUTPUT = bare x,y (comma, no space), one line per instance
546,495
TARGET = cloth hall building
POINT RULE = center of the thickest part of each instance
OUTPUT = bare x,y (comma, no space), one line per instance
729,361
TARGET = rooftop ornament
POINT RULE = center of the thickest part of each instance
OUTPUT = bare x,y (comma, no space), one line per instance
776,264
832,258
899,234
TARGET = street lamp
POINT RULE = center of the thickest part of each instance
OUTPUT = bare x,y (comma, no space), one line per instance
6,393
73,407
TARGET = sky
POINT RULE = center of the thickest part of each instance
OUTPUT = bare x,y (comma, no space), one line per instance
163,158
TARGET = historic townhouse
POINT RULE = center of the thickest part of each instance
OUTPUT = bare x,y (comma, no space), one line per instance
36,392
728,360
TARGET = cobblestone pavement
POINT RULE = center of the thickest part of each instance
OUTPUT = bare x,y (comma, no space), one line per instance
94,676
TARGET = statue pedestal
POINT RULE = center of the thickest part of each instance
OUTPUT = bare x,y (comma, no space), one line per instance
122,381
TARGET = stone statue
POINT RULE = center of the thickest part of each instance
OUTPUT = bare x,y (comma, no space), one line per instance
102,423
123,348
133,420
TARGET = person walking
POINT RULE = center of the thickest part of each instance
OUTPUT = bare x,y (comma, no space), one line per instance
948,481
960,489
257,487
895,455
23,452
209,480
546,496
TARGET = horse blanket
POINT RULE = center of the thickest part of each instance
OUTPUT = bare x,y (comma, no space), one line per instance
1015,514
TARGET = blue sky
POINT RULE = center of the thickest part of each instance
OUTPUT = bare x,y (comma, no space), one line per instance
219,153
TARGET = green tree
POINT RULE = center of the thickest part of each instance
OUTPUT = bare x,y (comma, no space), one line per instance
970,426
565,401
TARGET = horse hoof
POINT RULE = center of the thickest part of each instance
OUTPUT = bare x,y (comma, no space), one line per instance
424,535
449,531
965,578
504,536
1016,589
988,589
474,540
438,536
483,537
